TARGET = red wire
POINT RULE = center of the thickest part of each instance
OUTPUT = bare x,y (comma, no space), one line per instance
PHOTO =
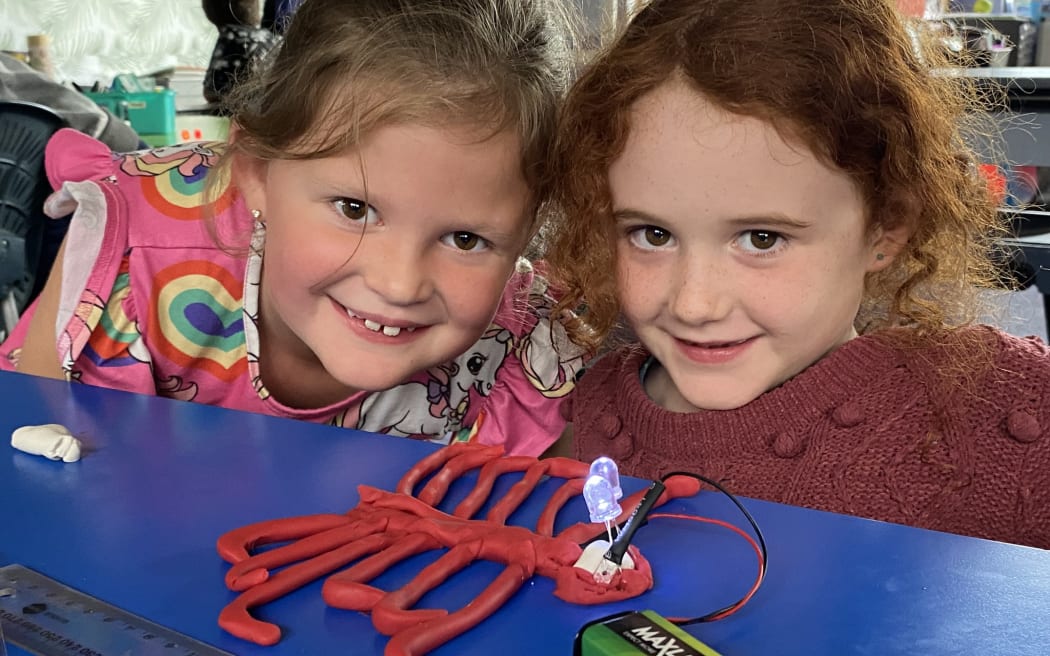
736,529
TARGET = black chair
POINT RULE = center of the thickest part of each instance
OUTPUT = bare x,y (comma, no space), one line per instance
1026,253
24,131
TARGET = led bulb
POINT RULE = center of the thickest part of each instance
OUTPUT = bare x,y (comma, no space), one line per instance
601,501
606,468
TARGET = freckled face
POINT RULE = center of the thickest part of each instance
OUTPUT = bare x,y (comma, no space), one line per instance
741,257
390,258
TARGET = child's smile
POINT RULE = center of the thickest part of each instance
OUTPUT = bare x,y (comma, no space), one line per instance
381,329
714,353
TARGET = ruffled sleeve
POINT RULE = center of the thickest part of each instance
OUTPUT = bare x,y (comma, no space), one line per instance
96,333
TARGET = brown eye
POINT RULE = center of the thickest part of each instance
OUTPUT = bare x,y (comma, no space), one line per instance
465,241
353,209
763,240
650,237
656,236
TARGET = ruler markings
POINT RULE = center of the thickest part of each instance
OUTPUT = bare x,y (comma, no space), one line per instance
48,618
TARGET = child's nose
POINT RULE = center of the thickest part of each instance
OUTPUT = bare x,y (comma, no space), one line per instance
702,291
398,275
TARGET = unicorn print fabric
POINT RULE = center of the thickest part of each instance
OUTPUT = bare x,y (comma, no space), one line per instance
157,301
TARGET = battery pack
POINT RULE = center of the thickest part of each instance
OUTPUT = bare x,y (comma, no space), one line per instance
635,633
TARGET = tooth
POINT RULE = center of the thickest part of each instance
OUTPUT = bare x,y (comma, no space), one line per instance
372,325
351,314
391,331
412,329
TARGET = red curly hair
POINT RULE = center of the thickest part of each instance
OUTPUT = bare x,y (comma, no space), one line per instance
862,88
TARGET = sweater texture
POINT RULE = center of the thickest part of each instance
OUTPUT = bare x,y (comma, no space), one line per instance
873,429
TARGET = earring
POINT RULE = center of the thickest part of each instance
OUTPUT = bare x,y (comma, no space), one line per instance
880,257
256,214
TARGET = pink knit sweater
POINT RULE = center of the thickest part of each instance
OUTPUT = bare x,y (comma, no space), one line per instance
855,433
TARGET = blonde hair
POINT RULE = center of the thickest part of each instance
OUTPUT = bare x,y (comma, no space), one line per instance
346,67
846,78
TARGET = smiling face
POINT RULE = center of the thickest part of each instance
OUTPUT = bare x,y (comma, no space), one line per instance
387,259
741,257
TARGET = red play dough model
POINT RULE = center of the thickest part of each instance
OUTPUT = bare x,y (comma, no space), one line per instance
388,527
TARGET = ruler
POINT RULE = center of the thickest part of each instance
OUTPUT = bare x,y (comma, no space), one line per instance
45,617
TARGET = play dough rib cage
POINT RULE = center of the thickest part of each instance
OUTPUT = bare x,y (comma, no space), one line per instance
386,528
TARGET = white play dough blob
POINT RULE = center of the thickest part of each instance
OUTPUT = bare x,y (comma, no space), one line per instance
52,441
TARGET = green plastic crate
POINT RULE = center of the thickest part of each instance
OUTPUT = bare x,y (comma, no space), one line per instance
150,111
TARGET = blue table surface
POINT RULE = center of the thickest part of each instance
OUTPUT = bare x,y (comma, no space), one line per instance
135,523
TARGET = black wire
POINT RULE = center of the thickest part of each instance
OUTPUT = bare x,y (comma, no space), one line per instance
754,526
637,519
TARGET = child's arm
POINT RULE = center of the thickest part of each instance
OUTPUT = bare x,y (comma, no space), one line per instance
39,355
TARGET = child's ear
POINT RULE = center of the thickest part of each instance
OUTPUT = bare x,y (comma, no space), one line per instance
890,237
887,244
248,175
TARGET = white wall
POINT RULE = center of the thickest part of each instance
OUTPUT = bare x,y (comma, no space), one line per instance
96,39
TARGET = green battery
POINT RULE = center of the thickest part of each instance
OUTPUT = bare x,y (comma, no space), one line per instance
635,633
